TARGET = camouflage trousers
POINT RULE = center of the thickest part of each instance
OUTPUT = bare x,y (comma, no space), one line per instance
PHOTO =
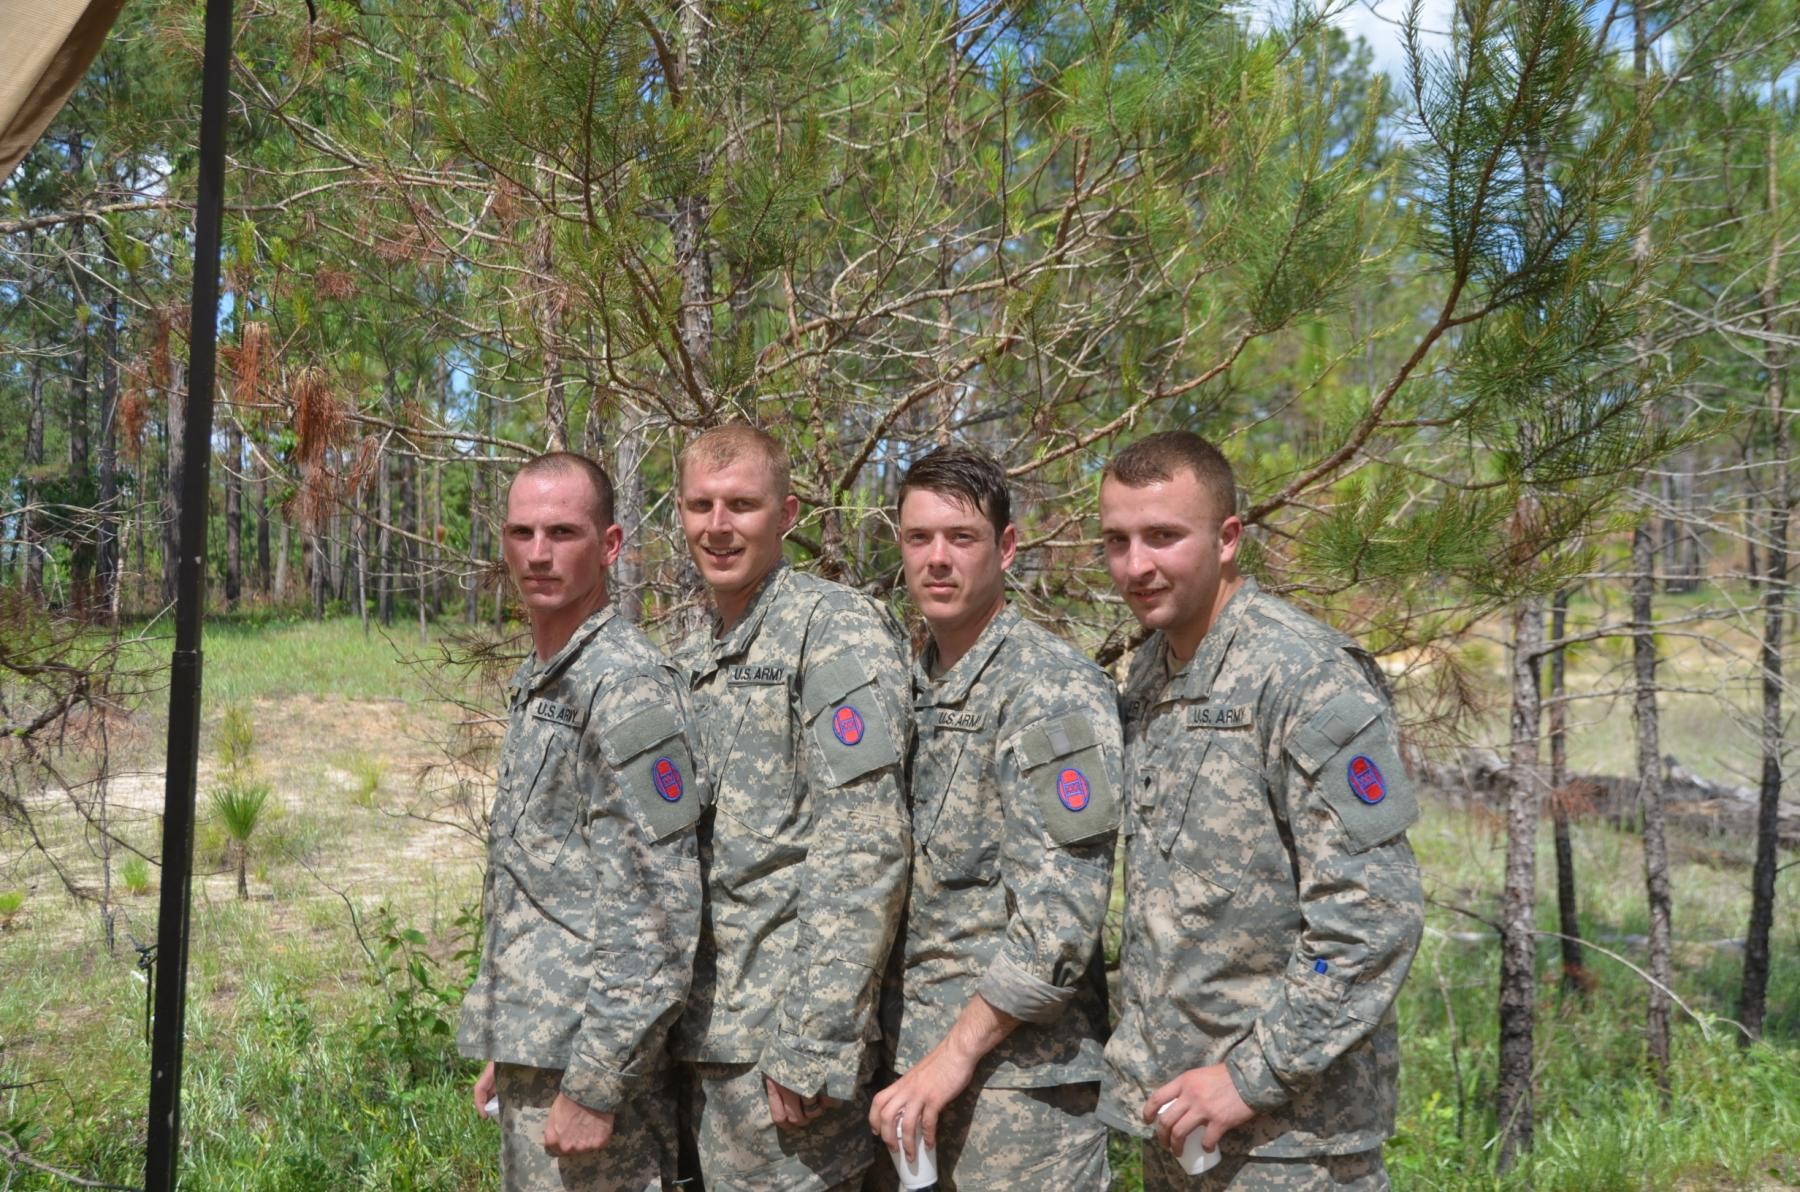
640,1157
742,1151
990,1140
1361,1172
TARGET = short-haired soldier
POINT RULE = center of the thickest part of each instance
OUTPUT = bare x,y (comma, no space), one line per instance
800,685
1015,775
1272,903
592,901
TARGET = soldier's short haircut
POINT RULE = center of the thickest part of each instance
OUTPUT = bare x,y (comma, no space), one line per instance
1156,458
967,473
723,446
564,462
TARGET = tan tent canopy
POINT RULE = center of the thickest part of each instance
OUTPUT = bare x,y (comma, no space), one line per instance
45,48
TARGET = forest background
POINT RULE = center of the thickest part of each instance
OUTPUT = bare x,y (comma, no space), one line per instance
1499,340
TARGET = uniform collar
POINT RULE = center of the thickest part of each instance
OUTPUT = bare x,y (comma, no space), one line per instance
953,688
530,676
1195,680
737,639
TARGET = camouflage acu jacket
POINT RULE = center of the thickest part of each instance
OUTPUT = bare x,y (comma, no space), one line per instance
1015,780
803,721
1272,904
592,901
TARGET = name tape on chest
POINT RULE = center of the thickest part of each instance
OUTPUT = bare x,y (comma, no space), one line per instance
555,713
757,676
959,721
1210,716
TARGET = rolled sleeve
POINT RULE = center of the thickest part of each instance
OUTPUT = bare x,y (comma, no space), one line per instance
1012,990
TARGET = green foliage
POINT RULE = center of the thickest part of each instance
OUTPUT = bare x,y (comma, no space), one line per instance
416,1028
239,807
134,874
366,773
237,739
11,903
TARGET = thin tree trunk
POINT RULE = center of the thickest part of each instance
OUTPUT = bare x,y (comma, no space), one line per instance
1650,796
234,512
1574,972
1518,905
283,550
34,461
1753,995
628,457
174,452
384,546
263,575
108,554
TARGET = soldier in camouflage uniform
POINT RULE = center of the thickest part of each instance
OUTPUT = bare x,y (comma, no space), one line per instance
593,891
1272,902
801,690
1015,776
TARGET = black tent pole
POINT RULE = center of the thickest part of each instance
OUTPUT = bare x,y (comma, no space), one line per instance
164,1139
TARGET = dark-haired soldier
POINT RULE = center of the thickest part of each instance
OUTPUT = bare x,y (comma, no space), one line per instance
593,885
1272,904
1015,774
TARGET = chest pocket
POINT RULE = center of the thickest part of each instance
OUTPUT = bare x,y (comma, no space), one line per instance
546,791
959,827
754,722
1212,835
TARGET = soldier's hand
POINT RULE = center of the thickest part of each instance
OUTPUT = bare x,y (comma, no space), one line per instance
1200,1098
789,1110
905,1113
574,1129
484,1089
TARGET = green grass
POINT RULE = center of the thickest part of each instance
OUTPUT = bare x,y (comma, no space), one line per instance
300,1074
255,658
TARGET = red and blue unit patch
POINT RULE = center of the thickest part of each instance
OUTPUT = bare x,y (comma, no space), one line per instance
1072,789
847,723
1366,782
667,777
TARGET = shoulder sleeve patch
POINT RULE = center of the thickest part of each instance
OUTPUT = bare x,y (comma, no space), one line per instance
1362,778
846,720
655,770
1072,775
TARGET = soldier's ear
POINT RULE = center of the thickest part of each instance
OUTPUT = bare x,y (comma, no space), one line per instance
1009,545
790,512
1231,536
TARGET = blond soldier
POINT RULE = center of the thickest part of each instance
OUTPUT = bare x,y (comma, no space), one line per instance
593,885
1272,902
801,690
1015,775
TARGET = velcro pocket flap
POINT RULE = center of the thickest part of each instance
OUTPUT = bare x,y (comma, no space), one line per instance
829,684
1051,739
638,732
1331,728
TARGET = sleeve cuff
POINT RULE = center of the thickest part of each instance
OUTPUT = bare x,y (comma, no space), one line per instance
1255,1080
1011,990
834,1074
595,1087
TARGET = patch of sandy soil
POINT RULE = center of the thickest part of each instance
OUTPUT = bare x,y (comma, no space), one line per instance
416,838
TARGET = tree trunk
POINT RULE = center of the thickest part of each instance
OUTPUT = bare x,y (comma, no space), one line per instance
263,579
1574,972
1753,994
174,453
283,549
628,460
384,544
692,260
1518,904
31,521
108,554
234,512
477,542
1650,797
